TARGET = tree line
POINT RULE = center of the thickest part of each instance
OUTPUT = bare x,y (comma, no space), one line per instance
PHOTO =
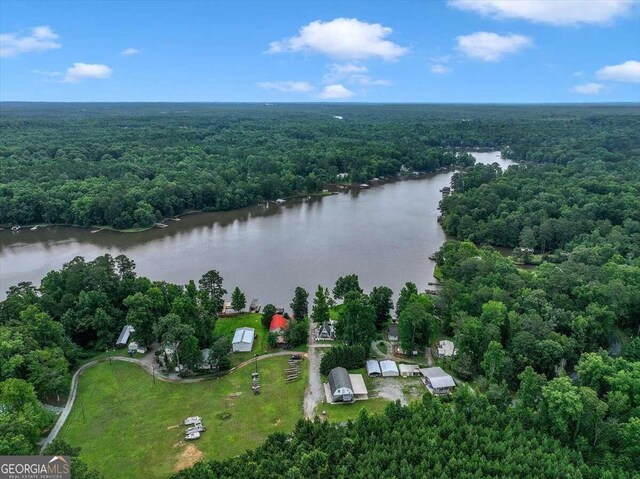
127,166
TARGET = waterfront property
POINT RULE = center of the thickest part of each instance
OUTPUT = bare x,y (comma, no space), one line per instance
243,340
325,332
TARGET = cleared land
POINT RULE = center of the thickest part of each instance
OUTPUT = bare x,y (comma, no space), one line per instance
129,427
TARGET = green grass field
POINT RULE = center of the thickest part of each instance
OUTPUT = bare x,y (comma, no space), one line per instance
344,412
129,427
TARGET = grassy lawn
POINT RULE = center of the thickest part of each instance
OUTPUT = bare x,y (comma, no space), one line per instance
344,412
128,427
228,326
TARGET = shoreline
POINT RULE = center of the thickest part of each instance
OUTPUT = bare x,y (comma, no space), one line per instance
323,193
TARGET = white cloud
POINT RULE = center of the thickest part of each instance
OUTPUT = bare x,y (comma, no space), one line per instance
286,86
344,38
440,69
336,92
491,47
127,52
628,72
352,73
563,12
578,74
81,71
38,40
588,88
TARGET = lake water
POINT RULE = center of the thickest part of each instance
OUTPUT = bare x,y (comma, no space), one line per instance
384,234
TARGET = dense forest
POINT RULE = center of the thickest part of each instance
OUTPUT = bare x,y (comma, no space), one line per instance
128,166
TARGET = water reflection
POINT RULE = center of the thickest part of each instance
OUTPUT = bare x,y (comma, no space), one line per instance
384,234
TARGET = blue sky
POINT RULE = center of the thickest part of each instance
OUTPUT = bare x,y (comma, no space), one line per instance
373,51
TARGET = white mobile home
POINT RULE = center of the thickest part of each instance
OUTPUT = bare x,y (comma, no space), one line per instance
243,339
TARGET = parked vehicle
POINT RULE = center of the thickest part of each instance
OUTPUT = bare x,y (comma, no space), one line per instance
190,421
196,428
192,436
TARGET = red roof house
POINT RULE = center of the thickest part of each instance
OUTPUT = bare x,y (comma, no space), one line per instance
278,323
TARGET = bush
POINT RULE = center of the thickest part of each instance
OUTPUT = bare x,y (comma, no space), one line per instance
348,357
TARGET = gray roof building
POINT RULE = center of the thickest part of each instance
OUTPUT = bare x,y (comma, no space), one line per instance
340,385
373,368
123,339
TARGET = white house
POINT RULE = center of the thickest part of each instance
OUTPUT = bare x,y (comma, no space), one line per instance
389,368
446,349
243,339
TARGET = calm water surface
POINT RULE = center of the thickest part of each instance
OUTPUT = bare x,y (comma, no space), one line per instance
384,234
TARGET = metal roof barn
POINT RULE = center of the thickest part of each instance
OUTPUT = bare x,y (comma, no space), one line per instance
340,385
373,368
123,339
389,368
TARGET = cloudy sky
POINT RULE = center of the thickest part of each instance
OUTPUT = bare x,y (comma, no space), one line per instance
373,51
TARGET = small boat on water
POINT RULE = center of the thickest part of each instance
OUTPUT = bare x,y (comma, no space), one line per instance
432,257
364,186
16,228
161,225
34,228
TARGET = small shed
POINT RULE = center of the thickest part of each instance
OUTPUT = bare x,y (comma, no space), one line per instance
392,332
243,339
446,349
389,368
373,368
340,385
408,370
437,381
123,339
